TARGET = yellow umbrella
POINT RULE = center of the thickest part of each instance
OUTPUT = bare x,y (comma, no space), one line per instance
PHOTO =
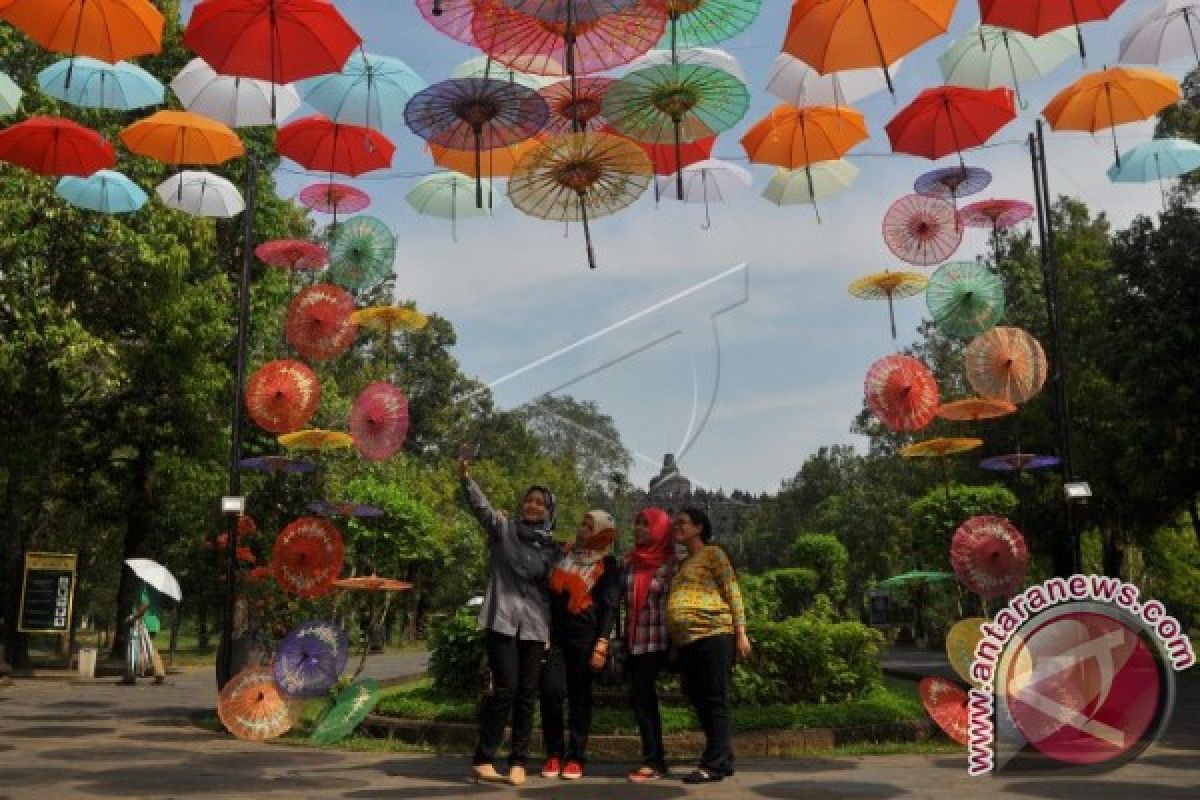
889,285
939,449
960,646
316,439
389,319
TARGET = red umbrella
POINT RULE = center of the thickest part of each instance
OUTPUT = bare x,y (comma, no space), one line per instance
379,421
1037,17
318,322
319,143
946,703
55,146
902,393
922,230
307,557
575,105
282,396
997,215
662,156
950,119
989,556
292,254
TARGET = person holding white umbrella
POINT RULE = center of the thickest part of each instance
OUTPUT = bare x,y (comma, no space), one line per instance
157,585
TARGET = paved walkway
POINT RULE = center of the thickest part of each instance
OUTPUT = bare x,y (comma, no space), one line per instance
74,739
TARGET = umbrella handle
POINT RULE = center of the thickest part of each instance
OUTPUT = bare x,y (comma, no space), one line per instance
891,315
587,233
1112,127
478,170
704,188
887,75
675,125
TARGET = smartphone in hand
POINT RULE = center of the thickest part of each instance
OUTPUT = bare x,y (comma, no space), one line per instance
469,452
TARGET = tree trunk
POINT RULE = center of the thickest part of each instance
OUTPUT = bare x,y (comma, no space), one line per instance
1114,551
137,530
202,633
12,558
1194,513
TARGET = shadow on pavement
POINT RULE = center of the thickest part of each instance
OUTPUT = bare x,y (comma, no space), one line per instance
1174,761
80,704
419,792
194,735
809,764
57,732
83,755
210,779
603,791
1084,788
32,718
831,790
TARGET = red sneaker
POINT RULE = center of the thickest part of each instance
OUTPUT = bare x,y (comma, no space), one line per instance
551,767
573,771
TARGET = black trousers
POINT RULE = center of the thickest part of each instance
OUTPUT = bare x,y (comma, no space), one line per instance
515,664
568,675
644,670
707,667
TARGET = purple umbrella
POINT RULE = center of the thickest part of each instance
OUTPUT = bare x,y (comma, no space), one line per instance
334,509
276,464
1016,462
951,183
311,658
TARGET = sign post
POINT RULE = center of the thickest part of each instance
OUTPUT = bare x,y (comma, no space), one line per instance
47,593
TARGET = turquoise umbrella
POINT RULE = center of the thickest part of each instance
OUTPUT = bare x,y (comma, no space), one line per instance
10,95
1156,160
97,84
106,190
449,195
362,252
965,298
987,57
371,90
693,23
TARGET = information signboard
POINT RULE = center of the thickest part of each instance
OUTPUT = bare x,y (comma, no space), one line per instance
47,593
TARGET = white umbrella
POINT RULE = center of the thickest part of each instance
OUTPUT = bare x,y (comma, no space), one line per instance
481,66
702,56
156,576
708,181
986,57
201,194
1166,32
448,195
793,81
809,184
237,102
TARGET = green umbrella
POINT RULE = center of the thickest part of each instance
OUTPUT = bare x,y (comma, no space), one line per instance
362,252
10,95
448,195
916,576
694,23
965,298
987,57
350,708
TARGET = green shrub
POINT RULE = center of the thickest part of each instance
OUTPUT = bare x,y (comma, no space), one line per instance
826,555
457,646
759,597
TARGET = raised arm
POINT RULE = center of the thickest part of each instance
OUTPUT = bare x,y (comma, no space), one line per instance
488,517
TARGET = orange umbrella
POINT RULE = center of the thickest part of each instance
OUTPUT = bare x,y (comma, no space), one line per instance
1109,98
1006,364
975,408
372,583
181,137
833,35
110,30
794,137
307,557
946,702
499,162
252,707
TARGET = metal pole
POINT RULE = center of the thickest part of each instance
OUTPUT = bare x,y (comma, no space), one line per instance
225,661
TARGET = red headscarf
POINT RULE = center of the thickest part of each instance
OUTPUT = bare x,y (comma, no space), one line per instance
645,559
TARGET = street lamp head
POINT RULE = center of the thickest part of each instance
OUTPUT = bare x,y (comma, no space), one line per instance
1077,490
233,505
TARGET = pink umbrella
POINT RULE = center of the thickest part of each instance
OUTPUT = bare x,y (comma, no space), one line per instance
989,556
379,421
922,230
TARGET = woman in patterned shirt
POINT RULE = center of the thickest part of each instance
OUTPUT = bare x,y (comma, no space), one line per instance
707,623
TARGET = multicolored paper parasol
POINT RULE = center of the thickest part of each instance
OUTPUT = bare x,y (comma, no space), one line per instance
307,557
251,707
316,439
275,465
951,183
318,322
379,421
350,708
989,556
960,646
362,253
331,509
372,583
576,105
901,392
294,255
1018,462
889,285
946,703
282,396
965,298
922,230
1006,364
974,409
310,659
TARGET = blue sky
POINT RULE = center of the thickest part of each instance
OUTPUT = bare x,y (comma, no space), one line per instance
794,353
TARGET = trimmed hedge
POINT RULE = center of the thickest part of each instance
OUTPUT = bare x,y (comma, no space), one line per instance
457,646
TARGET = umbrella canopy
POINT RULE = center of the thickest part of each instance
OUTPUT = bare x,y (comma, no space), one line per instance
793,137
156,576
974,409
889,285
941,447
234,101
363,251
110,30
333,509
318,323
699,22
960,646
946,704
950,119
710,181
986,57
274,465
1006,364
372,583
98,84
794,82
922,230
379,421
282,396
1038,17
1018,462
310,659
251,706
575,105
295,255
706,56
55,146
662,157
901,392
371,91
953,182
201,194
486,67
319,143
1165,32
1156,160
995,214
390,318
105,190
10,95
350,708
916,576
449,195
810,183
334,198
989,556
856,33
307,557
181,137
316,439
965,298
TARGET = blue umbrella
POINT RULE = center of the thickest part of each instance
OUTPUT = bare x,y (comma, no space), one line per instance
105,190
96,84
311,658
1157,159
370,90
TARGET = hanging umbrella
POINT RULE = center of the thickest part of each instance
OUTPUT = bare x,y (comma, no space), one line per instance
675,103
358,510
901,392
282,396
794,82
974,409
307,557
1038,17
704,56
55,146
390,318
319,143
181,137
476,114
950,119
986,57
1166,32
98,84
274,465
915,576
889,285
1111,97
965,298
275,41
334,198
578,176
104,190
989,556
372,583
379,421
363,252
793,137
1006,364
997,215
939,448
922,230
10,96
370,91
946,704
952,183
294,255
156,576
453,18
960,646
251,707
499,162
575,105
691,23
1018,462
449,195
710,181
1156,160
316,439
485,67
318,322
810,183
234,101
201,194
351,707
857,33
310,659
